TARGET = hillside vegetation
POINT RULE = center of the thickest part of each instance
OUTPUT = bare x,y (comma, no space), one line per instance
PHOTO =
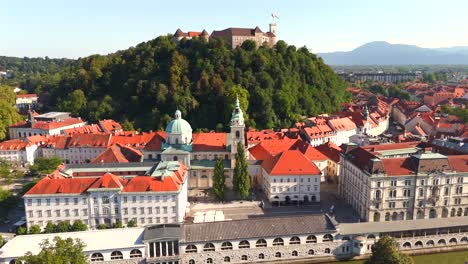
145,84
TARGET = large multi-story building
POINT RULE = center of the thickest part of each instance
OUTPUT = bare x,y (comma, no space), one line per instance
158,196
53,123
403,181
236,36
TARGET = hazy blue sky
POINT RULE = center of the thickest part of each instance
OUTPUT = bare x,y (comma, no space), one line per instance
65,28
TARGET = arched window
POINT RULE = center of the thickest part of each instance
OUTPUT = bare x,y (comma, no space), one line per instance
237,134
418,244
407,245
294,241
175,158
278,242
294,253
370,236
376,217
191,249
311,252
278,254
244,257
430,243
453,241
261,243
311,239
191,261
226,246
244,244
177,141
441,242
227,259
209,247
378,194
464,240
116,255
13,261
459,212
135,253
261,256
453,212
327,238
327,251
209,260
97,257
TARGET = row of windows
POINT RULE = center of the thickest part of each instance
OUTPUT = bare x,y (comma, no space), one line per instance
57,201
141,199
149,210
151,220
135,253
209,247
408,182
295,180
294,253
58,213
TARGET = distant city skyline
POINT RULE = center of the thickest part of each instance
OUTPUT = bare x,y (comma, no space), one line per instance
77,29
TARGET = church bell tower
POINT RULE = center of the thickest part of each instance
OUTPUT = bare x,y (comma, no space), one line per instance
237,128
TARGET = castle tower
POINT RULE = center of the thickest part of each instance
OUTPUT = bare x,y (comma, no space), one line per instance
273,28
237,128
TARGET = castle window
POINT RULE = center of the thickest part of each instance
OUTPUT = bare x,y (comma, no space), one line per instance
237,134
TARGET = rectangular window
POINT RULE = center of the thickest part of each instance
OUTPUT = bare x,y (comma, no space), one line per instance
164,198
49,213
105,200
75,212
165,219
125,211
142,220
422,182
150,198
125,199
165,210
38,201
29,202
150,210
156,199
85,212
66,201
48,202
57,213
158,210
173,209
106,210
393,183
30,213
116,199
407,182
158,220
460,180
142,210
150,220
116,210
57,201
134,199
84,201
134,210
39,213
142,199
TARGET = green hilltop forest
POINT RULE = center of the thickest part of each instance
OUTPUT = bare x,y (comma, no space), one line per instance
144,85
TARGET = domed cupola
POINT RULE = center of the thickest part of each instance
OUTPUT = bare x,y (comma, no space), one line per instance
178,131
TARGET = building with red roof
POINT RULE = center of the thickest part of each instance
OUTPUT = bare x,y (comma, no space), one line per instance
52,123
158,197
403,181
25,102
286,173
18,152
119,154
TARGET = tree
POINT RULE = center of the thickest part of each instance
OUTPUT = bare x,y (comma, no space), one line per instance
50,228
21,230
127,125
34,229
8,113
45,165
60,251
78,225
219,180
132,223
63,226
385,252
241,179
74,103
1,241
102,226
117,224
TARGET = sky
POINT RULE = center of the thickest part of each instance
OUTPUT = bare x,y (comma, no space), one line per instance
72,29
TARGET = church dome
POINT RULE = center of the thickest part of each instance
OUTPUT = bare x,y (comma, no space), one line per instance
178,125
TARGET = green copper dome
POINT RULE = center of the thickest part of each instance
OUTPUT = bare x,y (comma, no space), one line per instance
178,125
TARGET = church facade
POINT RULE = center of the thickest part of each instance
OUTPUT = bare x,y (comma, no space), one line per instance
199,151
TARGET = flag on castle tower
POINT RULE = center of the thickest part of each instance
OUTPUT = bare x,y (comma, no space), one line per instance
274,16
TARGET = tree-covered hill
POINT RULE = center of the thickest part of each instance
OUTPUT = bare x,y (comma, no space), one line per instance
147,83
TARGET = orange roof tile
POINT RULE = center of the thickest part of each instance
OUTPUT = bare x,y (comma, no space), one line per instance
209,141
14,144
118,154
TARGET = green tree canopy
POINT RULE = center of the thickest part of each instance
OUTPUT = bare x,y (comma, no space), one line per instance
132,223
78,225
241,179
60,251
45,165
8,113
63,226
385,252
219,180
34,229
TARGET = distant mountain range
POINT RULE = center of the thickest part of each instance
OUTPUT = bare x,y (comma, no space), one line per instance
384,53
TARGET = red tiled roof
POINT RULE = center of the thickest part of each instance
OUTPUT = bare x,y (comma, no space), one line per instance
90,140
155,144
458,163
56,124
344,123
108,181
88,129
255,137
132,138
330,150
26,95
109,126
209,142
397,166
48,185
14,144
292,162
118,154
